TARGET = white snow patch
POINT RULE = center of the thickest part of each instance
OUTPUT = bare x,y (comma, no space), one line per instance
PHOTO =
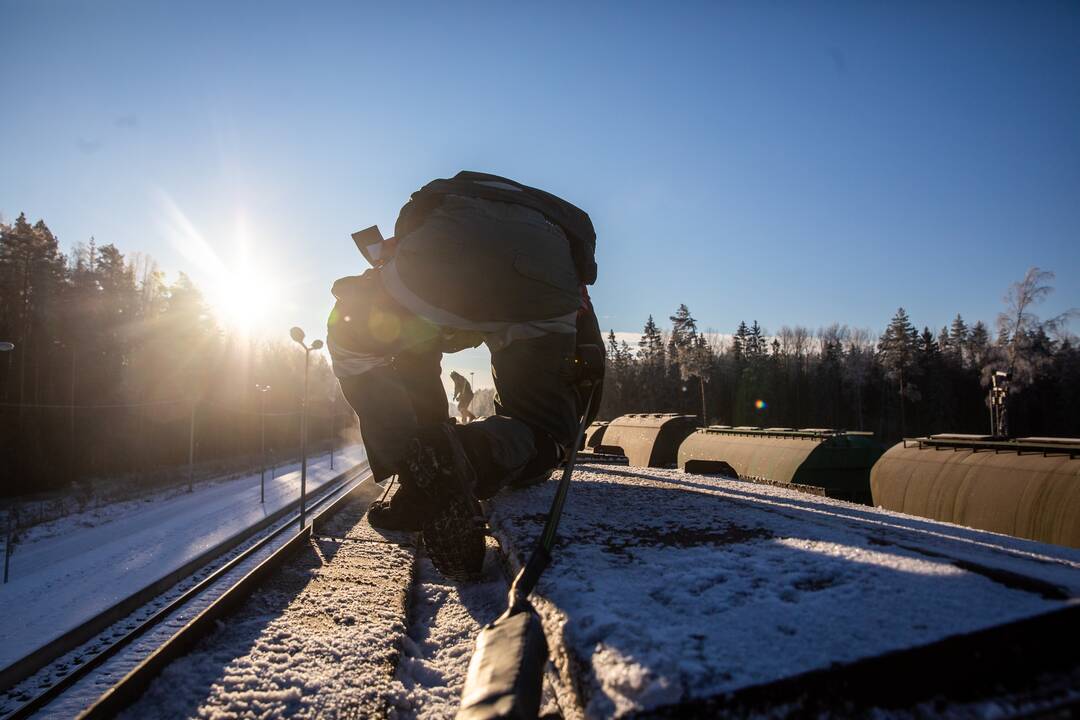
670,587
445,618
61,581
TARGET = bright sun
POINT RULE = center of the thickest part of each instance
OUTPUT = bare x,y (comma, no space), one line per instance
243,300
246,297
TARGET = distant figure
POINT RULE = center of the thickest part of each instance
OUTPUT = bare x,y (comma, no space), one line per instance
463,394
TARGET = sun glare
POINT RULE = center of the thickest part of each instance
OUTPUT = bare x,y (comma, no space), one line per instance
242,300
244,296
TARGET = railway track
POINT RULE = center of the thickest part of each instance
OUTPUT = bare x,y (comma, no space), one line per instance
249,564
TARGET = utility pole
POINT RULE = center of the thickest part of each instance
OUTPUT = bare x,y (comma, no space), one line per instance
333,423
191,451
903,424
263,389
704,420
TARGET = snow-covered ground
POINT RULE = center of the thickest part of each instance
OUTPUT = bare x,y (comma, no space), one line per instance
667,587
60,581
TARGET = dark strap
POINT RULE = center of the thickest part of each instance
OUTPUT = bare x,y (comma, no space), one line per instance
526,580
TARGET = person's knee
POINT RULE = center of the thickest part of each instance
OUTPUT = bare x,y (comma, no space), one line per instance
548,456
367,321
533,379
499,448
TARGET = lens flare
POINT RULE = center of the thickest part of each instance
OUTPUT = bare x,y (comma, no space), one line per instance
760,404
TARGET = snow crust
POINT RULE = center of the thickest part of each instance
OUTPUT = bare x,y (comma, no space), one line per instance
666,586
63,579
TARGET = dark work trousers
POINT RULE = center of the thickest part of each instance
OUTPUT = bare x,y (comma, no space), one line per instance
536,406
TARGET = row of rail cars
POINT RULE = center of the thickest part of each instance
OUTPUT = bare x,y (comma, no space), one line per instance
1026,487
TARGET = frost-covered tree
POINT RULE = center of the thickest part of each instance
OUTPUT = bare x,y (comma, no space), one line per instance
1022,337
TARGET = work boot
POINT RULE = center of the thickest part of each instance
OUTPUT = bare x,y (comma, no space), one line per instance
453,532
404,511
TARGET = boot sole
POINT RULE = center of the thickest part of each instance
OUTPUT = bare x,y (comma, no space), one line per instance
454,534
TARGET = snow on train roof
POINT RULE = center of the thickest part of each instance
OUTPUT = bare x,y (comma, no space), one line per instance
669,587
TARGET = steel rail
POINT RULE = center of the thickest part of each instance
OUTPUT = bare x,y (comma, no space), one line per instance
325,492
127,690
32,662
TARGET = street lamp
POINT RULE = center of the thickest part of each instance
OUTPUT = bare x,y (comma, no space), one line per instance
263,389
298,336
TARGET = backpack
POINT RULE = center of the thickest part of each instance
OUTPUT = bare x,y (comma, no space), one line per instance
574,221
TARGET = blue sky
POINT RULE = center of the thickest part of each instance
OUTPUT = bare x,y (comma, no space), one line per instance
794,163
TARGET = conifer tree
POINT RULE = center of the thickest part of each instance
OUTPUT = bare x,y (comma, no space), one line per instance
683,328
897,349
738,343
651,356
958,341
691,353
978,344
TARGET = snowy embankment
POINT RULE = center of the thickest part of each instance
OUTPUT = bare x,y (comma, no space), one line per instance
667,587
62,580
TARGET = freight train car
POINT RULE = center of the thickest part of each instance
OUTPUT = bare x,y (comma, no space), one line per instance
817,460
647,439
594,435
1029,487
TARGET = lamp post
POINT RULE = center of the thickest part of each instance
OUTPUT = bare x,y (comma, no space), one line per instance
298,336
333,426
191,450
263,389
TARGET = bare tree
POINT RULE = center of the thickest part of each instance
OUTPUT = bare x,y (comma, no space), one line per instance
858,362
1018,326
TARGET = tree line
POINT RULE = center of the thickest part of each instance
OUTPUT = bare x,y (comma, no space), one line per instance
111,360
901,382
